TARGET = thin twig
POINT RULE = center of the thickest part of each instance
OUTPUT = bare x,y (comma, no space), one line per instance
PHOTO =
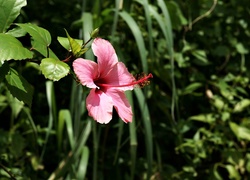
6,170
189,27
204,15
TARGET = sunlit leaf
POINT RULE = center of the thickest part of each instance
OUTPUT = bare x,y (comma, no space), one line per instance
11,48
9,10
206,118
233,172
65,42
191,88
19,87
241,49
17,32
76,48
54,69
240,131
240,106
201,57
41,39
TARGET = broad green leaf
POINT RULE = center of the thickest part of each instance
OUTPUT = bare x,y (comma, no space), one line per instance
233,172
19,87
54,69
240,131
9,10
206,118
240,106
11,48
41,39
17,32
76,48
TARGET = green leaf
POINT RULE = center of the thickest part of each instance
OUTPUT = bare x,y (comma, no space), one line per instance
177,18
9,10
19,87
65,42
76,48
240,131
54,69
206,118
191,88
241,49
233,172
17,32
41,38
15,105
11,48
201,57
240,106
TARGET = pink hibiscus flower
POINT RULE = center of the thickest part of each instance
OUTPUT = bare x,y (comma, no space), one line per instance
108,79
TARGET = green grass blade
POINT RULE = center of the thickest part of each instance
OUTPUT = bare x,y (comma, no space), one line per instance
167,22
116,17
149,26
138,38
95,149
148,129
133,137
52,112
82,168
69,127
87,28
73,155
166,27
65,118
119,138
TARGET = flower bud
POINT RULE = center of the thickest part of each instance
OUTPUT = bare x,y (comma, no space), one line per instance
94,33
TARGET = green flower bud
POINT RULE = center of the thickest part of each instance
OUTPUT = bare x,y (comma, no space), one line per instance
94,33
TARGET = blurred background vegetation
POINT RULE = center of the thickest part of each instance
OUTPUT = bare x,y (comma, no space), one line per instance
191,122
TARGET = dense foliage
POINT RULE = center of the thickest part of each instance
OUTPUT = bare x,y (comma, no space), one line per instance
191,122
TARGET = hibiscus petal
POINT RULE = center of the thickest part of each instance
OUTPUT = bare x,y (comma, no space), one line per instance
105,54
100,106
119,76
121,104
86,71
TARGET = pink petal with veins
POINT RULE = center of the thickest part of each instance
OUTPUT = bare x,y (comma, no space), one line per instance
86,71
106,56
121,104
119,75
100,106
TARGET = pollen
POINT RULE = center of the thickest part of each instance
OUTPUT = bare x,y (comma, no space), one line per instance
142,79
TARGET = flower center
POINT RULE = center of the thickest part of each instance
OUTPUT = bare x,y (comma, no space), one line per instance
141,81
